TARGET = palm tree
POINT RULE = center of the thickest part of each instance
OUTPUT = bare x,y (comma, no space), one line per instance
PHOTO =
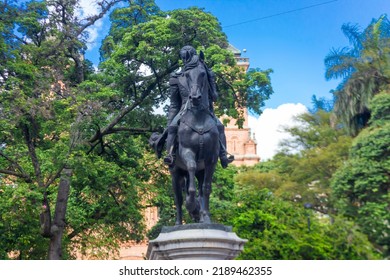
364,68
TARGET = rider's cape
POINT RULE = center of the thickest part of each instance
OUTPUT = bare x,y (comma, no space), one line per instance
157,141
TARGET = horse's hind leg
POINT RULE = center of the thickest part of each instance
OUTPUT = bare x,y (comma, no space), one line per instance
177,185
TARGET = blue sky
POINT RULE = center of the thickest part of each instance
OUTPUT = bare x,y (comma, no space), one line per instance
293,44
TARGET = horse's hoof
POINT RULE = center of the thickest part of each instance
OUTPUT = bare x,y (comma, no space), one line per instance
205,218
169,160
190,205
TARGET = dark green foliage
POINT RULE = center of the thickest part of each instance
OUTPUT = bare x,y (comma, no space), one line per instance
222,194
362,183
304,176
278,229
19,226
48,113
267,205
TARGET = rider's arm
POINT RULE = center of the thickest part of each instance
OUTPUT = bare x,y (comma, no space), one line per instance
213,85
175,105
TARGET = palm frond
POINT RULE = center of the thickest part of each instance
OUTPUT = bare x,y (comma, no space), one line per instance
339,63
365,69
354,35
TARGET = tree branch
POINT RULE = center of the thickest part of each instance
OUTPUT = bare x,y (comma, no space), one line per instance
229,85
109,128
16,174
105,7
113,196
22,173
131,130
51,179
33,155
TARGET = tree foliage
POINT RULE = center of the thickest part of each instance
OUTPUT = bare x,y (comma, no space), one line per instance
59,188
362,183
278,229
303,168
267,205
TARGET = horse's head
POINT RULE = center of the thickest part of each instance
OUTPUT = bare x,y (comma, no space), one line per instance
199,85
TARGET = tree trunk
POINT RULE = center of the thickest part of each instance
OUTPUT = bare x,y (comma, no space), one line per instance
58,225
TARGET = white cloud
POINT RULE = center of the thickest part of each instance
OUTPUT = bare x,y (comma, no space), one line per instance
90,8
268,127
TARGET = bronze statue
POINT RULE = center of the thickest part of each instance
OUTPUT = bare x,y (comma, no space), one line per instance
179,100
195,136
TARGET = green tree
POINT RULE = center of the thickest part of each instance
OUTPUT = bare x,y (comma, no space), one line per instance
364,68
362,183
318,166
53,180
302,170
278,229
144,51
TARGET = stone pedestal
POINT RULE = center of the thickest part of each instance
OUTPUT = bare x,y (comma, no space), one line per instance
195,242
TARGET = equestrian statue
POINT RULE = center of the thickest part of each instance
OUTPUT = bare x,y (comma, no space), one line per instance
195,137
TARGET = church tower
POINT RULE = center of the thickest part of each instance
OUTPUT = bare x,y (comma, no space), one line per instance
240,141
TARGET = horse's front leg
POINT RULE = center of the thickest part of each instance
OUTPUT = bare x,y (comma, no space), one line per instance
208,177
189,159
200,198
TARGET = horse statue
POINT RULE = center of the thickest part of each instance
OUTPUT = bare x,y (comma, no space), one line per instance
194,138
197,149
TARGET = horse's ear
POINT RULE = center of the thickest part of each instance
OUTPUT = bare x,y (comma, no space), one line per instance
201,55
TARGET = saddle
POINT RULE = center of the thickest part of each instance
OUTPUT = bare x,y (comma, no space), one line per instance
190,120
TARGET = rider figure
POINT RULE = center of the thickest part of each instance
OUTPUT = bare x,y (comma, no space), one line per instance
179,97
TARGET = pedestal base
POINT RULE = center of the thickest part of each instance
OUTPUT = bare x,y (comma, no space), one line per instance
195,242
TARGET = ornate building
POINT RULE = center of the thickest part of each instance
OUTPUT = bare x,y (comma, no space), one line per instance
240,141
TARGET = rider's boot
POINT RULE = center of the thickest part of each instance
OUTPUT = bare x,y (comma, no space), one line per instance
169,159
223,154
224,158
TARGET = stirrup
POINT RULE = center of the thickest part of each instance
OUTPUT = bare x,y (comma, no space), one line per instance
169,160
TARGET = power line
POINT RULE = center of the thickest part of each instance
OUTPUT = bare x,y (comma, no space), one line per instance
279,14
